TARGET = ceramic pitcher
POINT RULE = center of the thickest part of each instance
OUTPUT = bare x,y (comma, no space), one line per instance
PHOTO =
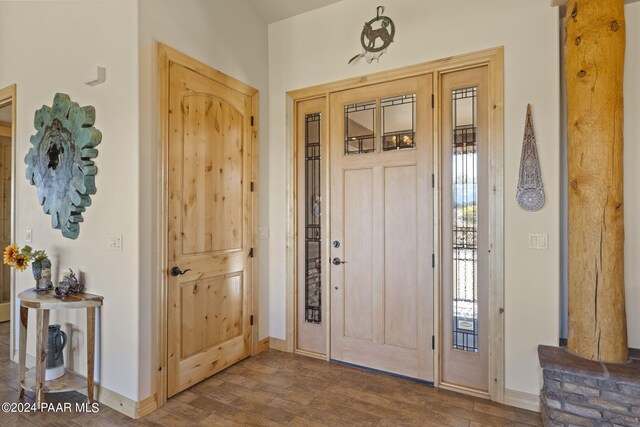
55,360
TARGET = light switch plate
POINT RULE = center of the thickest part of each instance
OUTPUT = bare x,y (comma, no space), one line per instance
543,241
263,233
28,235
538,241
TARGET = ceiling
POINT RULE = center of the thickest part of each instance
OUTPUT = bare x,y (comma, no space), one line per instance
276,10
5,114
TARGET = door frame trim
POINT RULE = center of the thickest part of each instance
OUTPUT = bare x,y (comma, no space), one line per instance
9,95
166,56
492,58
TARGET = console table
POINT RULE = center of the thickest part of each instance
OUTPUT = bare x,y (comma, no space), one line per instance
42,302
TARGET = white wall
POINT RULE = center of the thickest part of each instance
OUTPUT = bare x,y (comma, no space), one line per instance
48,47
230,37
314,48
632,173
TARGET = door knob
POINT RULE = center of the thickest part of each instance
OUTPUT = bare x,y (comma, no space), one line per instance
175,271
338,261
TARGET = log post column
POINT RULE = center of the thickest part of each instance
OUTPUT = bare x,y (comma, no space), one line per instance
594,74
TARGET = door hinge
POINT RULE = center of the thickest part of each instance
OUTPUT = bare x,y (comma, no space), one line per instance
433,181
433,260
251,120
433,341
251,253
251,320
252,186
433,101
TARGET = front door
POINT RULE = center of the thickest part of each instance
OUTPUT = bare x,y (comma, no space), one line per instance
382,227
209,218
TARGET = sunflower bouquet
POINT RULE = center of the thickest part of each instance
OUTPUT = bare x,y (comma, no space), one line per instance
40,264
20,258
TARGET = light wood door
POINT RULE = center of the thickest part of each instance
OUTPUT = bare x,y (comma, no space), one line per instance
210,214
465,149
382,217
311,190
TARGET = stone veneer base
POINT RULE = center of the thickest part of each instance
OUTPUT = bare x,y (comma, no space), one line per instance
581,392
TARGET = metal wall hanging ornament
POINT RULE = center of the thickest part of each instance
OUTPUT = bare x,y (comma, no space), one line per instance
376,36
59,161
530,193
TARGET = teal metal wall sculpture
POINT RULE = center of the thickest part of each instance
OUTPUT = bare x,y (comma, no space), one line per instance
59,162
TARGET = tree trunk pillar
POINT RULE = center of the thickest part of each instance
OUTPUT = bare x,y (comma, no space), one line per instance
594,75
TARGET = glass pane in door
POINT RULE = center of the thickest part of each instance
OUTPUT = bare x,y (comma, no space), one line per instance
359,127
465,220
398,122
313,242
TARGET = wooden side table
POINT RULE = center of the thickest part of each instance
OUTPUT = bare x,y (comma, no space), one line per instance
34,379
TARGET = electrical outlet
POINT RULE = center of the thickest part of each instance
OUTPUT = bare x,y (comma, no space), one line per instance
115,242
263,232
28,235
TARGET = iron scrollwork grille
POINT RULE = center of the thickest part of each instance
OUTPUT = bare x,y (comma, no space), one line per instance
313,231
465,220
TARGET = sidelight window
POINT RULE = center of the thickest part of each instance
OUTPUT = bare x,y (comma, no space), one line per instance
313,242
465,220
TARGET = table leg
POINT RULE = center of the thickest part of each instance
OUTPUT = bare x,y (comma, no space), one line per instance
22,346
41,354
91,345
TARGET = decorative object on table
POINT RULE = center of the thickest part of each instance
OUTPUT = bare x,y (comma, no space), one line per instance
530,193
55,359
69,285
40,264
376,36
59,161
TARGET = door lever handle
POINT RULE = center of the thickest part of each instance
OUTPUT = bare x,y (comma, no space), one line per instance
338,261
175,271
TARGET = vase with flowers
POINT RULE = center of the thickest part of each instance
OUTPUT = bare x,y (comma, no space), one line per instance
40,264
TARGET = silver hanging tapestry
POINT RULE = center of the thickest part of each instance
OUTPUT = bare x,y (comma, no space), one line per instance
530,193
60,162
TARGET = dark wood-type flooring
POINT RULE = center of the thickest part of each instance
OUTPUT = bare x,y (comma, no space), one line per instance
276,388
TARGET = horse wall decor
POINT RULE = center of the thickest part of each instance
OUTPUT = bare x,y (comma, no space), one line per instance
376,36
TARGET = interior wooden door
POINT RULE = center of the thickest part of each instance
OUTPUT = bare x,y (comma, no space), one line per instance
464,256
382,227
311,307
210,213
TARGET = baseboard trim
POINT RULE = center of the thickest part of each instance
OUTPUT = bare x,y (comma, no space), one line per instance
277,344
129,407
310,354
146,406
263,345
522,400
464,390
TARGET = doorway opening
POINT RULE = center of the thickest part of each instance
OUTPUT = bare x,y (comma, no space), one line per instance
7,191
